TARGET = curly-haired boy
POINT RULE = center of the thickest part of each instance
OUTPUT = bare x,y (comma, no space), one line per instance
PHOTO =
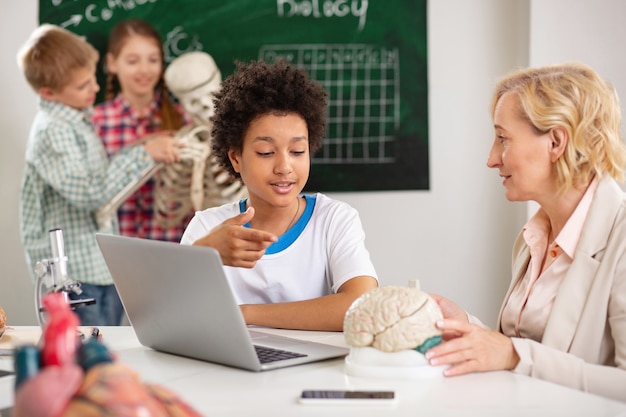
299,261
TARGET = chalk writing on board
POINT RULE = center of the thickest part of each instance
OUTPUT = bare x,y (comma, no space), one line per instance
363,84
95,12
324,8
177,42
371,57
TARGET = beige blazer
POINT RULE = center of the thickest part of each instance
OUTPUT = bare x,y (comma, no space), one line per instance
584,342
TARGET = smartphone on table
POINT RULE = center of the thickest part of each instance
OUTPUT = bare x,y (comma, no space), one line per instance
347,397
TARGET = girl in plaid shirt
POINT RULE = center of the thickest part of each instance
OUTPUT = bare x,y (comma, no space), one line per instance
137,106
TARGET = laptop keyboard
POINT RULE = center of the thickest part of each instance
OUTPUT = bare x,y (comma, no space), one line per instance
267,354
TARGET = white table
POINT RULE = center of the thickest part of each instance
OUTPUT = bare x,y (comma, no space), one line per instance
216,390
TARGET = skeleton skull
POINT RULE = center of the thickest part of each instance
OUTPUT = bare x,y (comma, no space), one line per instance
194,78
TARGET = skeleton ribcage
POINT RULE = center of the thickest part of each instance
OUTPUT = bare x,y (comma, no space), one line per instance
194,183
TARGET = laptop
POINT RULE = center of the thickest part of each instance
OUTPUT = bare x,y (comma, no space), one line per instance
179,301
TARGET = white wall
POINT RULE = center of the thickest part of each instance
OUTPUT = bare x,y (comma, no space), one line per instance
17,108
580,30
455,238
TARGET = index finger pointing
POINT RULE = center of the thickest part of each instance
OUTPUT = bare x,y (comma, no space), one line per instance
256,235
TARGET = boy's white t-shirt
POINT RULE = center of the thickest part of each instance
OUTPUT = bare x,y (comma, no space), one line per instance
319,253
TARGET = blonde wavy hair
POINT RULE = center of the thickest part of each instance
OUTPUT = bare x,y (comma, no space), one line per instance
572,96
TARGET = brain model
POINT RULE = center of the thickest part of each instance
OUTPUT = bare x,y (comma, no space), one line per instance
392,319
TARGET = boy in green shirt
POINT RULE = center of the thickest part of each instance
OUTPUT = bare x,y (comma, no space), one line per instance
67,174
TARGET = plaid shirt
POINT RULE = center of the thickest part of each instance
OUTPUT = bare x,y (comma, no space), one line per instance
67,176
119,125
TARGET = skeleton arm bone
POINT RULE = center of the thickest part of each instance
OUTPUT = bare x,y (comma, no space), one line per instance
104,214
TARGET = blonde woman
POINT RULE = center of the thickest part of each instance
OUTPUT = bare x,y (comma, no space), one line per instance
557,142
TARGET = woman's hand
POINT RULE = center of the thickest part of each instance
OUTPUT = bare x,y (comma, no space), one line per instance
452,311
474,349
449,309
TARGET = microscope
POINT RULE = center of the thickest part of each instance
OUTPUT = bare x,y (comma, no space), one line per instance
52,277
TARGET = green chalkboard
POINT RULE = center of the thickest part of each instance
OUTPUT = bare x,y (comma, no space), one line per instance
369,55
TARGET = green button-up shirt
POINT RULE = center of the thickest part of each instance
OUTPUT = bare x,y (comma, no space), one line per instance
67,177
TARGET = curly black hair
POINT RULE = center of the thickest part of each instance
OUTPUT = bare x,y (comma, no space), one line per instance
258,89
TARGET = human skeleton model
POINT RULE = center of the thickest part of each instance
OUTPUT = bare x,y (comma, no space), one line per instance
196,181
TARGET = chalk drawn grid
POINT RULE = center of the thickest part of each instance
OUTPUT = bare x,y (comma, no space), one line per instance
363,83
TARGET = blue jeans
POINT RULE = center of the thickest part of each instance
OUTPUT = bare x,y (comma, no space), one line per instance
108,309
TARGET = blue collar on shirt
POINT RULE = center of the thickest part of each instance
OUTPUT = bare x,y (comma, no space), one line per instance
294,231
